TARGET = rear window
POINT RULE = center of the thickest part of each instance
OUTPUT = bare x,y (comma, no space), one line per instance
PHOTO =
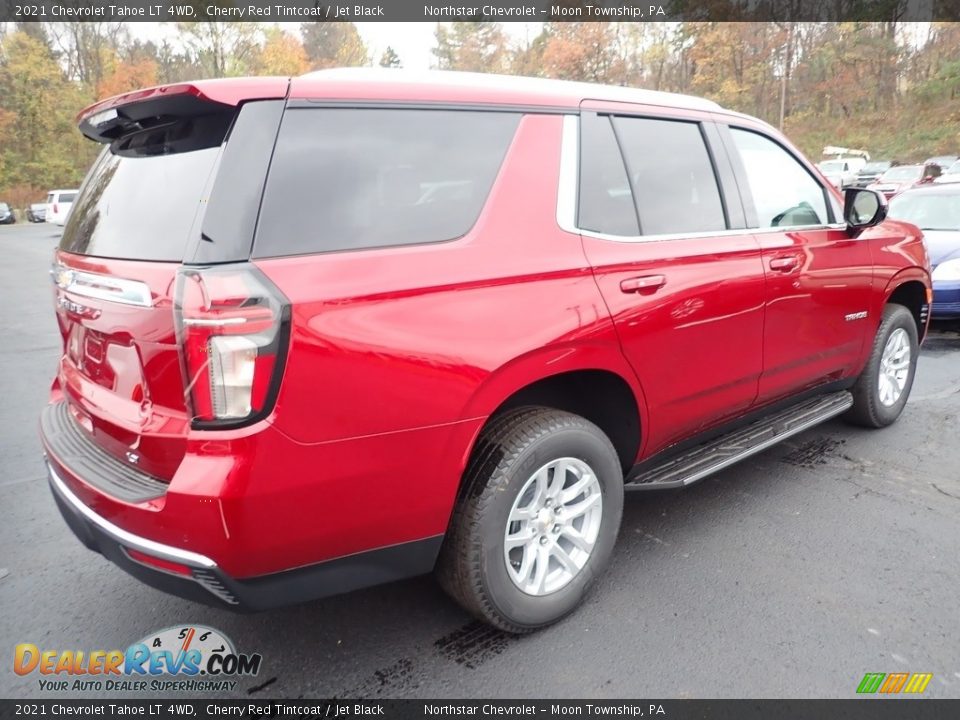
140,199
68,197
344,179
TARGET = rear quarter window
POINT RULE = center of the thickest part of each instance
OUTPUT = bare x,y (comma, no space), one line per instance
352,178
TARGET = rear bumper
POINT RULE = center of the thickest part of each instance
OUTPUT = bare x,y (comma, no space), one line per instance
208,584
253,521
204,584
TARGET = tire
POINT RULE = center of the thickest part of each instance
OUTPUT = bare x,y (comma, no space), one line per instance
515,467
870,408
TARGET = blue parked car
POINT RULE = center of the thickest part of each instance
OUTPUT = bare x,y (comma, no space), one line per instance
936,211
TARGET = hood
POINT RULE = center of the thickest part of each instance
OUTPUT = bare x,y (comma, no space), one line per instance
942,245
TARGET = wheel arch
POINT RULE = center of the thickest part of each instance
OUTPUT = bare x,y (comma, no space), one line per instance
593,381
910,288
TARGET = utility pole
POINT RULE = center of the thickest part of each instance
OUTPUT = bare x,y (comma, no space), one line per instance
785,73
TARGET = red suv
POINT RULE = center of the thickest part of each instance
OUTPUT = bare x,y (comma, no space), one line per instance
325,332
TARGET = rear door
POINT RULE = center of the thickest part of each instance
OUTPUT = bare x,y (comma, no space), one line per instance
818,294
154,198
683,280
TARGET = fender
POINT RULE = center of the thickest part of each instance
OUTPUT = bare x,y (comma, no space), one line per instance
906,275
542,363
910,274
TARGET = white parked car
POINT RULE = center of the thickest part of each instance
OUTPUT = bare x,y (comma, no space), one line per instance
842,172
59,203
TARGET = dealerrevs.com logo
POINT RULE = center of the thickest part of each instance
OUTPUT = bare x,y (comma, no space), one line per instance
184,658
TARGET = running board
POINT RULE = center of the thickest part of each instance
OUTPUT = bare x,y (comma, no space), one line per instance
703,460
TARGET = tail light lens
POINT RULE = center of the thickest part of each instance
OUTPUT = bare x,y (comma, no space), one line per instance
233,330
55,211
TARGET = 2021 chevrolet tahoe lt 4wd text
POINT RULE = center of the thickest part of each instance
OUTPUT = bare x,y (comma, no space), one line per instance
335,330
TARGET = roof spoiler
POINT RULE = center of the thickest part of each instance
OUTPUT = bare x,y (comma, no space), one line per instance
133,112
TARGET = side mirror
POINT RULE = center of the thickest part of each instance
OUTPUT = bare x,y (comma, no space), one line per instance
863,208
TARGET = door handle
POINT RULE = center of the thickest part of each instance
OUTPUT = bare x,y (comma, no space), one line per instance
785,263
643,284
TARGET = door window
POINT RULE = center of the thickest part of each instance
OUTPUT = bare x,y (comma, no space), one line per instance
784,193
674,183
606,204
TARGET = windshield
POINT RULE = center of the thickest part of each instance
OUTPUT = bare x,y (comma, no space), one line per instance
833,166
877,167
953,169
928,211
907,172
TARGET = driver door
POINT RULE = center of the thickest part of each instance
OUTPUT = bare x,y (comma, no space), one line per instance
818,278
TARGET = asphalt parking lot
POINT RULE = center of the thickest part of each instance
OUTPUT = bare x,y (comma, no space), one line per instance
789,575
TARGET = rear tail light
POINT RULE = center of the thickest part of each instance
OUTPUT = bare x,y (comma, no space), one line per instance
55,211
232,328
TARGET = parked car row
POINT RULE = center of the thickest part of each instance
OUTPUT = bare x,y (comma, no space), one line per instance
853,168
903,177
55,210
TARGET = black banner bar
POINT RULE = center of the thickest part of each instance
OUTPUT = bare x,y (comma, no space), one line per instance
478,10
876,708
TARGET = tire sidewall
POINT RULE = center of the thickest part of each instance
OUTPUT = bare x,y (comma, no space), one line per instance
898,318
590,446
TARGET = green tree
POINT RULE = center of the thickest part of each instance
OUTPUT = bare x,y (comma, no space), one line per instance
390,59
41,146
333,44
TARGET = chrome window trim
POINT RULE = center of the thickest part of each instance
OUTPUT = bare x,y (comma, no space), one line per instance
123,537
102,287
567,201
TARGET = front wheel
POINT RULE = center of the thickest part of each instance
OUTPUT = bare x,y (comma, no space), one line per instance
536,520
883,387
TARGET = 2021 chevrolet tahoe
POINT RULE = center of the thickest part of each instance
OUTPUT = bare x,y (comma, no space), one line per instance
330,331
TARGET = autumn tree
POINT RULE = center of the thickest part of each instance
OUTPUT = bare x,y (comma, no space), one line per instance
174,64
126,75
281,54
588,51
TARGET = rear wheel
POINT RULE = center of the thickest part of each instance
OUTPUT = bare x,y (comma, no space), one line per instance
883,387
536,521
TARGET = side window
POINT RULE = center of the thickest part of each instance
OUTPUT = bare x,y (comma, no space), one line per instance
784,193
345,179
606,205
672,176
